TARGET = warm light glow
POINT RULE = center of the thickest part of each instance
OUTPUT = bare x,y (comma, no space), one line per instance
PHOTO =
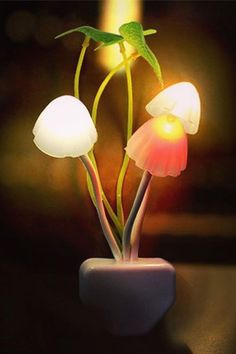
113,14
65,128
168,127
181,100
159,146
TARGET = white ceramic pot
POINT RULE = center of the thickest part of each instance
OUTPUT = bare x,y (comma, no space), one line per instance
131,296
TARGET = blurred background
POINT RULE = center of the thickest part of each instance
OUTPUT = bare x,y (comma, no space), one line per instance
48,223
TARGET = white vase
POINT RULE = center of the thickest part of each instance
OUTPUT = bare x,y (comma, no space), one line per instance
131,296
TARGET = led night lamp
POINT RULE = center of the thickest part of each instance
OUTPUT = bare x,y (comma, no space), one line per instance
131,293
159,146
65,128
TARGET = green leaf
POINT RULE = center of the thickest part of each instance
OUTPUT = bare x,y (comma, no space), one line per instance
98,36
149,31
145,32
133,34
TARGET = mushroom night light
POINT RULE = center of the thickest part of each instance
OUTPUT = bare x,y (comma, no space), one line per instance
65,128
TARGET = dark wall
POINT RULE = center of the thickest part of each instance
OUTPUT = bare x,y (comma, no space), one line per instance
48,224
43,198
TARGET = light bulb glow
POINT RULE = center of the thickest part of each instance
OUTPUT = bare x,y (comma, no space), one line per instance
181,100
65,128
159,146
168,127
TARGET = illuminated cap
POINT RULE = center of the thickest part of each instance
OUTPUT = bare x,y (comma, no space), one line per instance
159,146
181,100
65,128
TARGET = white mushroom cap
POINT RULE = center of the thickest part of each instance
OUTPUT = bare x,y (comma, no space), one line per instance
181,100
65,128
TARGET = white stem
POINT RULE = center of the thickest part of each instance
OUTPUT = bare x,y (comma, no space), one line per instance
137,226
100,208
146,178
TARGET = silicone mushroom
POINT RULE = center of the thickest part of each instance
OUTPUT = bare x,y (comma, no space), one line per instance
159,146
65,128
182,101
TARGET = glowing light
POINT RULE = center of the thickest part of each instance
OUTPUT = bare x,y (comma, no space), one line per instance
65,128
113,14
168,127
181,100
159,146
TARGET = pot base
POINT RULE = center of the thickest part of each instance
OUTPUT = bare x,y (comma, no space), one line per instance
131,296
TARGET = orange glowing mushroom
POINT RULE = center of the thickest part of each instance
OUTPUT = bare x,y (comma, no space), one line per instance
159,146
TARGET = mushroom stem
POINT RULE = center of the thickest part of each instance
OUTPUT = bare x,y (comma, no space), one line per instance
100,208
125,163
146,178
137,226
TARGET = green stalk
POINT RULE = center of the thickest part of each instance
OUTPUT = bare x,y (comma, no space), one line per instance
123,170
104,84
99,93
79,66
76,94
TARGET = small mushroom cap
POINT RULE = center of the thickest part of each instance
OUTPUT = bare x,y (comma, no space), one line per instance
159,146
65,128
181,100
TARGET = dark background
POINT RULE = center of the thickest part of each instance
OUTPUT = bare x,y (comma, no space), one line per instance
48,224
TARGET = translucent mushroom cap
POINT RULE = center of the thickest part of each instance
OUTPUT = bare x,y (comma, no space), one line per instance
65,128
159,146
181,100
